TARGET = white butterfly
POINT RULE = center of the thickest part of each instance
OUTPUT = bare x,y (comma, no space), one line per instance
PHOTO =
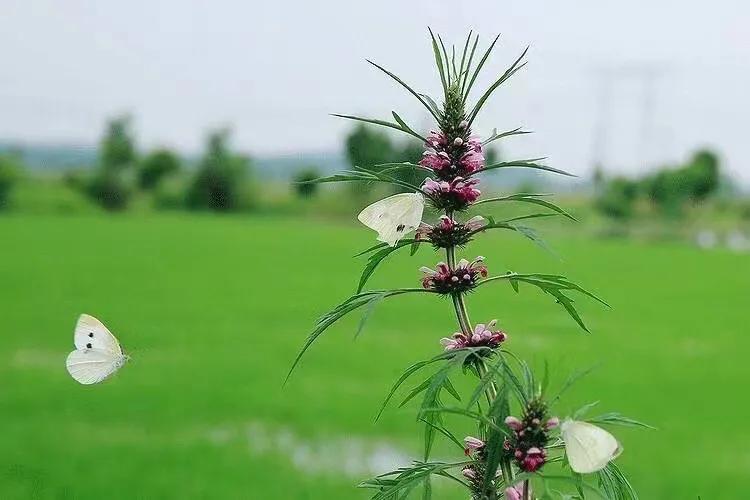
589,448
394,217
98,354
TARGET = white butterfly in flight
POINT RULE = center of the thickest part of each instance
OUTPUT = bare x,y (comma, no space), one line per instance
394,217
589,448
98,354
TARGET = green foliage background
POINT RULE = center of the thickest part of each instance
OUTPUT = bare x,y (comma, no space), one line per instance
213,310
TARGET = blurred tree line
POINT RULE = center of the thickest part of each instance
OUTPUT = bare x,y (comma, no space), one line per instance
217,183
669,190
221,179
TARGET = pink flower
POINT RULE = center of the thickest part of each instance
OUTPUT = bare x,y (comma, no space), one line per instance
515,492
514,423
472,445
533,460
458,341
471,161
475,223
474,144
454,195
552,423
445,280
469,473
437,140
435,161
486,335
482,336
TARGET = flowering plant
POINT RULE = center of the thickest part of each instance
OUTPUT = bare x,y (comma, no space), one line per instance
509,453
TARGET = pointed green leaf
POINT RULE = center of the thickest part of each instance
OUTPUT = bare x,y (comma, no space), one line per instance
479,66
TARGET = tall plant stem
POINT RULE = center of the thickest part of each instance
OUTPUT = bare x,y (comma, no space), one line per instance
465,324
526,490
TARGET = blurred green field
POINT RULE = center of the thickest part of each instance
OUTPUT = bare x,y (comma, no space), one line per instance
214,309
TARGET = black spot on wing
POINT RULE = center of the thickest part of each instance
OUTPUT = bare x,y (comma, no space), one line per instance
88,346
400,228
91,335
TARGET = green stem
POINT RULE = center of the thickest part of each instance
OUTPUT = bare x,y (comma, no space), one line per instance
491,392
526,490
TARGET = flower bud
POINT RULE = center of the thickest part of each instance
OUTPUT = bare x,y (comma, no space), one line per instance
469,473
513,423
552,423
463,125
472,445
458,142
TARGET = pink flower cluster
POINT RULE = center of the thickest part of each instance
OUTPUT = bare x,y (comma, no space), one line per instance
453,195
482,336
449,232
445,280
529,438
452,158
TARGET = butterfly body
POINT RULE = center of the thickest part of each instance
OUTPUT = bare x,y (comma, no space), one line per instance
98,354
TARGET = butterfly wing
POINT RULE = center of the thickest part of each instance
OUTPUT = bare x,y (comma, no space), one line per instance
394,217
91,366
589,448
90,333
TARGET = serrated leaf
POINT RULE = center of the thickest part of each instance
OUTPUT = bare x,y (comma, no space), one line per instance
371,305
580,412
496,136
614,484
553,285
408,373
429,100
534,199
572,379
407,87
522,164
363,174
351,304
377,258
618,419
381,123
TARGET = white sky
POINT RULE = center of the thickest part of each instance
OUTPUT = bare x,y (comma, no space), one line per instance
274,70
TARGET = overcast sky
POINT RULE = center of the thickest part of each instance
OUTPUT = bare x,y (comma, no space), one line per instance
656,78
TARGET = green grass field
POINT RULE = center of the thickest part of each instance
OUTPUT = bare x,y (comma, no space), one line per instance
214,309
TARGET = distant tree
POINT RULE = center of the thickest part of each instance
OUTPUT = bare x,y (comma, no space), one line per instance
10,168
111,184
217,184
617,198
117,147
367,147
702,175
302,185
155,166
663,187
